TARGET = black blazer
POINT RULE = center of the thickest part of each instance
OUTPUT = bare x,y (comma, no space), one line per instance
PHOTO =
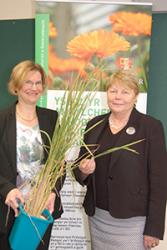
8,168
136,182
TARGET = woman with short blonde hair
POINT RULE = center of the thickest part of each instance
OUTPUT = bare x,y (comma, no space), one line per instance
126,192
20,72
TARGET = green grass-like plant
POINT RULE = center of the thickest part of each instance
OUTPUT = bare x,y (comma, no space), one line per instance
66,135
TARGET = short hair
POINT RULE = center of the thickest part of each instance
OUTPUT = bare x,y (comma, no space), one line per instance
125,77
20,72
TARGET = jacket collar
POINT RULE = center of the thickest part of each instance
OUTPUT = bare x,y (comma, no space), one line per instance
125,136
43,123
11,135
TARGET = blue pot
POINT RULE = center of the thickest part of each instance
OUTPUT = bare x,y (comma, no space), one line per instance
28,231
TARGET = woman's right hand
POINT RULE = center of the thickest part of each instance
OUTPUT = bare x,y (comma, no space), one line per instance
12,199
87,166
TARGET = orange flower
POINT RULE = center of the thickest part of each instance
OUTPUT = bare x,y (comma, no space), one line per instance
132,24
59,65
52,30
101,43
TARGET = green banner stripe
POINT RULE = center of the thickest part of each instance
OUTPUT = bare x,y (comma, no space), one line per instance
41,47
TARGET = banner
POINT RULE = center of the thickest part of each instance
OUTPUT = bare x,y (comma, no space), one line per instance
80,37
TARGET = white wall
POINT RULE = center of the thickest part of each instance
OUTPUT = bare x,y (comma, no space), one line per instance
163,244
20,9
158,5
16,9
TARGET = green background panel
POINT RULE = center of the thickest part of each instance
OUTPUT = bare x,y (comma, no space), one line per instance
157,91
16,44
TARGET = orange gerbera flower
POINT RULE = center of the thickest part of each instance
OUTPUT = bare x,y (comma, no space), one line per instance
101,43
52,30
131,24
59,65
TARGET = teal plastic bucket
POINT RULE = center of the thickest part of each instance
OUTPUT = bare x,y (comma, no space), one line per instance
27,231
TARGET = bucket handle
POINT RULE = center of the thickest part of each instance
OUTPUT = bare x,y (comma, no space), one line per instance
45,212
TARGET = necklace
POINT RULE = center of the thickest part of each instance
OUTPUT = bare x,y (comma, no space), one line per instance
112,125
25,119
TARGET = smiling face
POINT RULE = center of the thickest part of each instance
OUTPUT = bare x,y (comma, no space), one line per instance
121,98
31,88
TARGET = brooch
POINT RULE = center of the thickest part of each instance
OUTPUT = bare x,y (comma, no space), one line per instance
131,131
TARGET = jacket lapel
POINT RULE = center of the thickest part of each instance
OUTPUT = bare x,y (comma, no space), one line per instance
11,136
98,130
43,126
125,136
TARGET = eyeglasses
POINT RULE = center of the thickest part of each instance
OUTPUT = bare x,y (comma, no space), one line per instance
32,84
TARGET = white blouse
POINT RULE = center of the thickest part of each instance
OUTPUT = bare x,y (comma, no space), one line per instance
29,153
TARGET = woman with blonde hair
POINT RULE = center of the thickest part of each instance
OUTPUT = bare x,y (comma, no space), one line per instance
126,192
21,146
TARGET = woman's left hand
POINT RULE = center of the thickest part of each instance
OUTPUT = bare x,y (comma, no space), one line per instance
150,242
51,202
